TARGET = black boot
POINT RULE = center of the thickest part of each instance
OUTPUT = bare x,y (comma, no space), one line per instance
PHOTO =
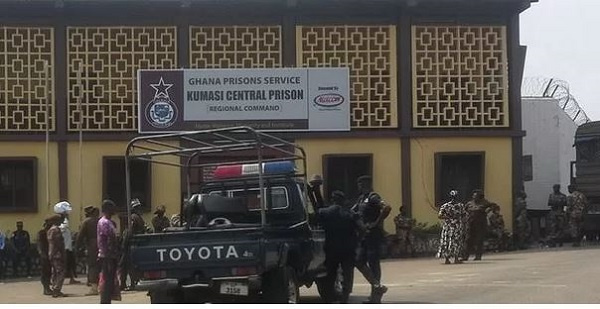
47,290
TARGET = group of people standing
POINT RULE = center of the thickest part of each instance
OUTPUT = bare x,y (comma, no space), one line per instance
464,227
353,238
107,256
566,216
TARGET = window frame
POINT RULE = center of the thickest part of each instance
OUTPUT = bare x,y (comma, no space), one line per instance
285,190
105,159
34,205
437,170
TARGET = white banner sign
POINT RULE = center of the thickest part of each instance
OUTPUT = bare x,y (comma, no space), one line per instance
290,99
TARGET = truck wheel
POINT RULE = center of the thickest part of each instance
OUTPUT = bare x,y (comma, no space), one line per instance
281,287
166,297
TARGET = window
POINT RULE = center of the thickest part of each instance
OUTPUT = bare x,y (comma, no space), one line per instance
463,172
114,182
341,172
278,200
18,184
528,168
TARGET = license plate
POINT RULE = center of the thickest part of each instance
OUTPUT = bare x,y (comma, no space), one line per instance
234,288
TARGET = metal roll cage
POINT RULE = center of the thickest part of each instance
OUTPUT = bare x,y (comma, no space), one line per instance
215,141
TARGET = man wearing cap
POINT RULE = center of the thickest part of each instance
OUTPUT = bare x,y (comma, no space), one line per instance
160,222
63,209
138,226
108,251
56,254
341,237
87,237
21,243
372,211
43,250
477,208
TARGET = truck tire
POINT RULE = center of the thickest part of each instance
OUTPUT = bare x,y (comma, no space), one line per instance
280,286
166,297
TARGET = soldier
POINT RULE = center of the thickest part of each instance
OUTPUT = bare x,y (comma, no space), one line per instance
56,254
21,243
87,238
63,209
404,226
522,228
138,226
372,211
2,255
43,250
451,240
577,207
497,230
160,222
557,203
108,252
341,237
477,224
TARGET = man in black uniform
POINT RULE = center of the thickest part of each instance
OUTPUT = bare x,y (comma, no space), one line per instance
341,236
372,211
21,243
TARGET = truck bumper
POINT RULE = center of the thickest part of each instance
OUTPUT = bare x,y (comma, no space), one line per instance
254,283
148,285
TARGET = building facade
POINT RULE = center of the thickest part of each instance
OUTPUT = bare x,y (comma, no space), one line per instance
547,149
435,93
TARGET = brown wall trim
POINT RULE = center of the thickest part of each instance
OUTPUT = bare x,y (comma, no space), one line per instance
388,133
405,161
63,172
61,88
516,53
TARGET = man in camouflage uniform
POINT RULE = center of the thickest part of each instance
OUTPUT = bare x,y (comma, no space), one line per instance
404,226
87,238
46,268
523,227
57,255
160,222
497,232
477,230
557,202
138,226
576,208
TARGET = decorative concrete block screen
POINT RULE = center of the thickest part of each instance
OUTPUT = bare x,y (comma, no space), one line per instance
108,59
26,79
460,76
235,47
370,53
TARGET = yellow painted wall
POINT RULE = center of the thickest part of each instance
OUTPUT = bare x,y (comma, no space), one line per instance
165,179
386,164
33,221
498,172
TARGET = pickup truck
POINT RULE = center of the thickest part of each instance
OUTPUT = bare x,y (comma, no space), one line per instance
235,245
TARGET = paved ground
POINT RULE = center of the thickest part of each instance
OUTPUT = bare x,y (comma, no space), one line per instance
549,276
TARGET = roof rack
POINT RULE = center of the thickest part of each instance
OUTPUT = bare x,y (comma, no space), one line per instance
180,150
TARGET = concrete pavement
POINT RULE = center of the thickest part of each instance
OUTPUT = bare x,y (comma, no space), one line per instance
535,276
